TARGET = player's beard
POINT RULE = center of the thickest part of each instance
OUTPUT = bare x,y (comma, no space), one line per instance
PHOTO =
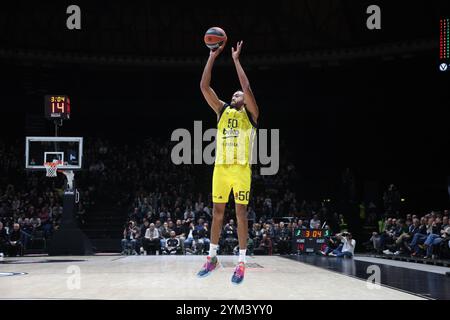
237,105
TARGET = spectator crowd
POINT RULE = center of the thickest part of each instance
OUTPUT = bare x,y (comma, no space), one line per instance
170,207
424,236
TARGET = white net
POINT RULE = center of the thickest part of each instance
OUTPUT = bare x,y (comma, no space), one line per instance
52,168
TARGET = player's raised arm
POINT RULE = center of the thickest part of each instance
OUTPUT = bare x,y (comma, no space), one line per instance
249,98
205,83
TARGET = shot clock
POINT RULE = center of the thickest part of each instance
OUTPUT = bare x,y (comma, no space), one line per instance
57,107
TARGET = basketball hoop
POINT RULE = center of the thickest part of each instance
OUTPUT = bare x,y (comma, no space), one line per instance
52,168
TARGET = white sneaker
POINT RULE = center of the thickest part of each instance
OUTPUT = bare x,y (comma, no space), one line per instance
332,255
387,251
323,253
396,253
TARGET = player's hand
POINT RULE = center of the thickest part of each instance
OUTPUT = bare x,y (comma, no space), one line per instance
235,53
215,53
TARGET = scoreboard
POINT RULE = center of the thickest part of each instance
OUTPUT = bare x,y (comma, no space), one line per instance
309,240
57,107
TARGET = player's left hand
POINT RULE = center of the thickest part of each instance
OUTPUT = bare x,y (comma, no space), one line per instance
235,53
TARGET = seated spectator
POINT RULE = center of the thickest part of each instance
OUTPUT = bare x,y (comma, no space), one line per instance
256,234
375,242
130,233
444,246
151,241
204,236
402,241
387,233
422,234
190,235
275,234
268,229
251,216
229,238
36,223
250,247
399,236
434,238
284,239
300,224
27,232
145,225
189,214
15,241
142,230
173,245
314,223
265,246
164,215
445,222
164,234
179,231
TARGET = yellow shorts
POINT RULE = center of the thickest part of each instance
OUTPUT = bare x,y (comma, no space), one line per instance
228,177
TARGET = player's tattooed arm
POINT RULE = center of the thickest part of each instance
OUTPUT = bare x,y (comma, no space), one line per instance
205,84
249,98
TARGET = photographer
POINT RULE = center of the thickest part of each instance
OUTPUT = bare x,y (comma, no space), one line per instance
345,249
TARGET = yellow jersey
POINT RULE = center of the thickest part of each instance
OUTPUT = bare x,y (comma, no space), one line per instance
235,136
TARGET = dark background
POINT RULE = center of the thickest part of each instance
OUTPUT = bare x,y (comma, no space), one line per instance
341,95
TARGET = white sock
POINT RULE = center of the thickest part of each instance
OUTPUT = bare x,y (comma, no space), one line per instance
213,249
242,253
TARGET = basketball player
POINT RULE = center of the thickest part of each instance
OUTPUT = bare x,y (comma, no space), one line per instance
236,127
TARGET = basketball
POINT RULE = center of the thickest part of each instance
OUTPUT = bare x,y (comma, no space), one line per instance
215,37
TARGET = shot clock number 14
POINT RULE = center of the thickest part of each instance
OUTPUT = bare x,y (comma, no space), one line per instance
57,107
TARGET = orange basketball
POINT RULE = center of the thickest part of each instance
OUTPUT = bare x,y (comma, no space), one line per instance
215,37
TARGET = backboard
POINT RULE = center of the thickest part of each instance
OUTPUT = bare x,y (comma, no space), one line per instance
39,150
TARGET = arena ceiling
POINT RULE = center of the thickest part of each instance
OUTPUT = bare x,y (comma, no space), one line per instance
146,32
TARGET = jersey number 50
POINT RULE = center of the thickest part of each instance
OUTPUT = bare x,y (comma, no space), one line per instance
242,195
